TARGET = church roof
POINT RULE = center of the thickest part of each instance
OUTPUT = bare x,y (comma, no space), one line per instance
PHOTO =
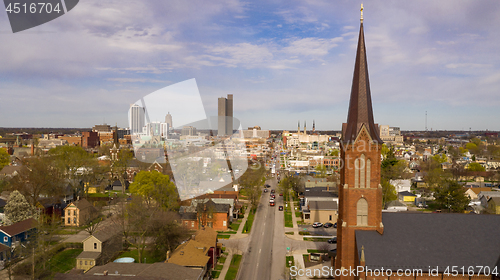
420,241
360,105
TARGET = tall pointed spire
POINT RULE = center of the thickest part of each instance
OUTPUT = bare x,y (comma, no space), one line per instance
360,105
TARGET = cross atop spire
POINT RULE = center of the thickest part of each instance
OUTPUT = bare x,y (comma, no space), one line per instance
361,12
360,105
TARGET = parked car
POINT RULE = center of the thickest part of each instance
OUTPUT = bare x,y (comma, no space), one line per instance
333,240
280,208
335,225
281,194
271,203
327,225
317,225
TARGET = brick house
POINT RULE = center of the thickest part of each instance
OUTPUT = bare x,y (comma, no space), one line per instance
207,214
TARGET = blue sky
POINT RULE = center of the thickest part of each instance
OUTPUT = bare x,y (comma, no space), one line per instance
284,61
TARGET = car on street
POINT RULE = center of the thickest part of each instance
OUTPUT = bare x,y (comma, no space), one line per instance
317,225
332,240
335,225
272,191
267,185
271,203
265,190
327,225
273,196
281,194
280,208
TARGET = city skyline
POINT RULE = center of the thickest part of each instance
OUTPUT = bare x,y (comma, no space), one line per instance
282,61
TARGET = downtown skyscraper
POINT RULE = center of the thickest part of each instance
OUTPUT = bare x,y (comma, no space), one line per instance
136,118
225,109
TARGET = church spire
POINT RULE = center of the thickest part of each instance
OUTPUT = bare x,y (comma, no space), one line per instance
360,105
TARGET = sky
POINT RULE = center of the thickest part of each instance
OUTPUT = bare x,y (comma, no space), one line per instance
284,62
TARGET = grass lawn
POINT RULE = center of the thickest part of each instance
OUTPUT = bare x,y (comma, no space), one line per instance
316,239
233,268
226,232
223,236
289,258
234,226
215,274
289,232
222,260
249,222
135,255
218,267
64,260
298,214
288,217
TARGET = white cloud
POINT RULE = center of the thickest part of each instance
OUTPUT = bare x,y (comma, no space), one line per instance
312,46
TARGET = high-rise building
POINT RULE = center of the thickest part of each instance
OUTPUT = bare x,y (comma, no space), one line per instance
188,130
136,118
225,110
168,120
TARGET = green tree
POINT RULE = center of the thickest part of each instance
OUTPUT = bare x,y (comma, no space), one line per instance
388,192
252,180
392,168
4,158
475,166
451,195
320,171
154,186
17,208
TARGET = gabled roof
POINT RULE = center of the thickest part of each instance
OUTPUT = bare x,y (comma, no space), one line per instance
478,190
104,234
406,193
207,236
10,170
360,105
396,203
190,254
19,227
81,204
420,240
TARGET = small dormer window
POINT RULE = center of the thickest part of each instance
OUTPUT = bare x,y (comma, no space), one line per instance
95,246
5,239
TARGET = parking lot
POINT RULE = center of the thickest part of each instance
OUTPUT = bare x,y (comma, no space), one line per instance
319,231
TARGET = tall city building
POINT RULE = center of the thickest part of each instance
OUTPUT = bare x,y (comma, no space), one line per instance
225,122
136,118
168,120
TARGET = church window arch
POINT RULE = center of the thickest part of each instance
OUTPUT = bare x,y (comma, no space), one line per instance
362,212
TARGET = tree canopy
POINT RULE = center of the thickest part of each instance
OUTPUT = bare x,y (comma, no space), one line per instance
475,166
451,195
152,185
4,158
17,208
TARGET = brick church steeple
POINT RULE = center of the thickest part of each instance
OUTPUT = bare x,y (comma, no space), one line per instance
360,193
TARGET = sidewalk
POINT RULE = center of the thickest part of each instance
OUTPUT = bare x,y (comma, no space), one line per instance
296,229
226,265
239,233
299,262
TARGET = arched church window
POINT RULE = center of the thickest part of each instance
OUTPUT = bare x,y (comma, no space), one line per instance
362,212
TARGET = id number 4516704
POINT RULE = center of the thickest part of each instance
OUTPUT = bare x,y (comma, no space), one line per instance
470,270
33,8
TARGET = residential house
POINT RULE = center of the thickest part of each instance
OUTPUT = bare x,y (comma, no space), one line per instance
199,252
406,196
473,193
319,194
208,214
138,271
494,205
14,234
99,248
396,206
485,196
320,211
79,213
10,171
401,185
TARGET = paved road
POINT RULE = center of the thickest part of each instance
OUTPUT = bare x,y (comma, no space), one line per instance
257,262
